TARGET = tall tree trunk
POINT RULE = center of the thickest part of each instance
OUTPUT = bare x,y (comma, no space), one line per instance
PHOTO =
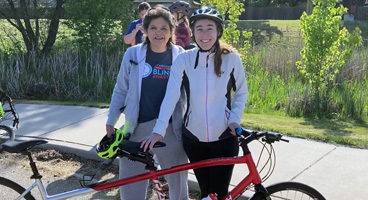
54,27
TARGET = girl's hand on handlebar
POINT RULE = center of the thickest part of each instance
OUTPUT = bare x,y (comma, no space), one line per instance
149,141
233,126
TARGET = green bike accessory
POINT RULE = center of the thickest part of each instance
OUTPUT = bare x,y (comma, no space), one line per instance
108,147
1,110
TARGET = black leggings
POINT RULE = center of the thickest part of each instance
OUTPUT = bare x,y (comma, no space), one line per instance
212,179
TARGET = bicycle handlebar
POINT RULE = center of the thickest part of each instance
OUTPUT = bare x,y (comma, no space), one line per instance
250,135
246,136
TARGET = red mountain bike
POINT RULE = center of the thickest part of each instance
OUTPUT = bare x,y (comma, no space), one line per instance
283,190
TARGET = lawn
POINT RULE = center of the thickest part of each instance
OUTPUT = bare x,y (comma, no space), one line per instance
344,132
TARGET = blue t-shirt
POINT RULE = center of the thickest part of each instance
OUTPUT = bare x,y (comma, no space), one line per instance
155,77
139,35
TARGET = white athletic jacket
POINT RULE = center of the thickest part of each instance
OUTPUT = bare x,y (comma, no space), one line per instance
212,105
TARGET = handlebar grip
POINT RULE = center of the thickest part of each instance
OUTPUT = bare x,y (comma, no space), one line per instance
239,131
285,140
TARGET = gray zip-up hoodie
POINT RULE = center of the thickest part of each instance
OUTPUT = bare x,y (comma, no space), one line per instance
127,92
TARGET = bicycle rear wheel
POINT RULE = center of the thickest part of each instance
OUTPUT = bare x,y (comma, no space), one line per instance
6,133
290,190
11,190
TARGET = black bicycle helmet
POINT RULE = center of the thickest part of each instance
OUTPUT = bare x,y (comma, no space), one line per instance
181,7
207,13
107,147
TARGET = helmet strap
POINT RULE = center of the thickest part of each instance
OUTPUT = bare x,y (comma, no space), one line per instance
211,50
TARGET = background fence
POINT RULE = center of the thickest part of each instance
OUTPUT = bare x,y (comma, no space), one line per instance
292,13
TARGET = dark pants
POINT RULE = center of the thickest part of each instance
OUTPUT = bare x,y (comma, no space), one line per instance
212,179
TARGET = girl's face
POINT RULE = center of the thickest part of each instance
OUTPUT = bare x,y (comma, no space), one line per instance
158,33
205,33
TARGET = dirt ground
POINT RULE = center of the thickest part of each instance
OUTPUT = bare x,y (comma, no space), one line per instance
62,172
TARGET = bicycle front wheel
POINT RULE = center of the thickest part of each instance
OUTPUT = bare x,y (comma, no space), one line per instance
6,133
11,190
292,191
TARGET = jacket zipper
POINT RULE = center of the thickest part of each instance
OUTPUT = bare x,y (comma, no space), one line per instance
207,131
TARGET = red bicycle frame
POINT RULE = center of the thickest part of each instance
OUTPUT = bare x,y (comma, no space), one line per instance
252,178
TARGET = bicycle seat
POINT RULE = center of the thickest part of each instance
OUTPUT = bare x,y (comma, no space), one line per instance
135,147
20,146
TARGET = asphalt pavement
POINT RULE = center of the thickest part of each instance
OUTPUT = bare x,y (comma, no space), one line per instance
338,172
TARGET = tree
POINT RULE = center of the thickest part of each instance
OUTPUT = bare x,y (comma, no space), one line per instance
97,21
26,17
327,46
232,9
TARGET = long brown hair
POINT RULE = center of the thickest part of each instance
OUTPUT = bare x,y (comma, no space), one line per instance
221,48
157,12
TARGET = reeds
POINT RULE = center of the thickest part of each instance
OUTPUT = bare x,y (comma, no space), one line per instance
69,75
275,83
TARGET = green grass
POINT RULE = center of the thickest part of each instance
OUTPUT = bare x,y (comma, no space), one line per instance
344,132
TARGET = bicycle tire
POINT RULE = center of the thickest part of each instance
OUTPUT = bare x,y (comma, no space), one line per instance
290,190
10,190
6,133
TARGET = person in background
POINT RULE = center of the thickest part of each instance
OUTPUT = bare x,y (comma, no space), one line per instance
180,11
134,34
138,93
214,80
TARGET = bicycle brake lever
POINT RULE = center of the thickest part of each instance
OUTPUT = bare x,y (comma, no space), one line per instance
271,137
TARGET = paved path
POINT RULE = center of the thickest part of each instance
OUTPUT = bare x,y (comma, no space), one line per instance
338,172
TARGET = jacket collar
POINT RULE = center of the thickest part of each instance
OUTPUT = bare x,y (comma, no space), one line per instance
142,51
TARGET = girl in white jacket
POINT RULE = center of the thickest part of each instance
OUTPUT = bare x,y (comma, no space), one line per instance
214,80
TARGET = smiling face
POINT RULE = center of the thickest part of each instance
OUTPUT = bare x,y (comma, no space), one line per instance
205,33
158,33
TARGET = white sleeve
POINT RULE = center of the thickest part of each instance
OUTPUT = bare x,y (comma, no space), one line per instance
172,96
